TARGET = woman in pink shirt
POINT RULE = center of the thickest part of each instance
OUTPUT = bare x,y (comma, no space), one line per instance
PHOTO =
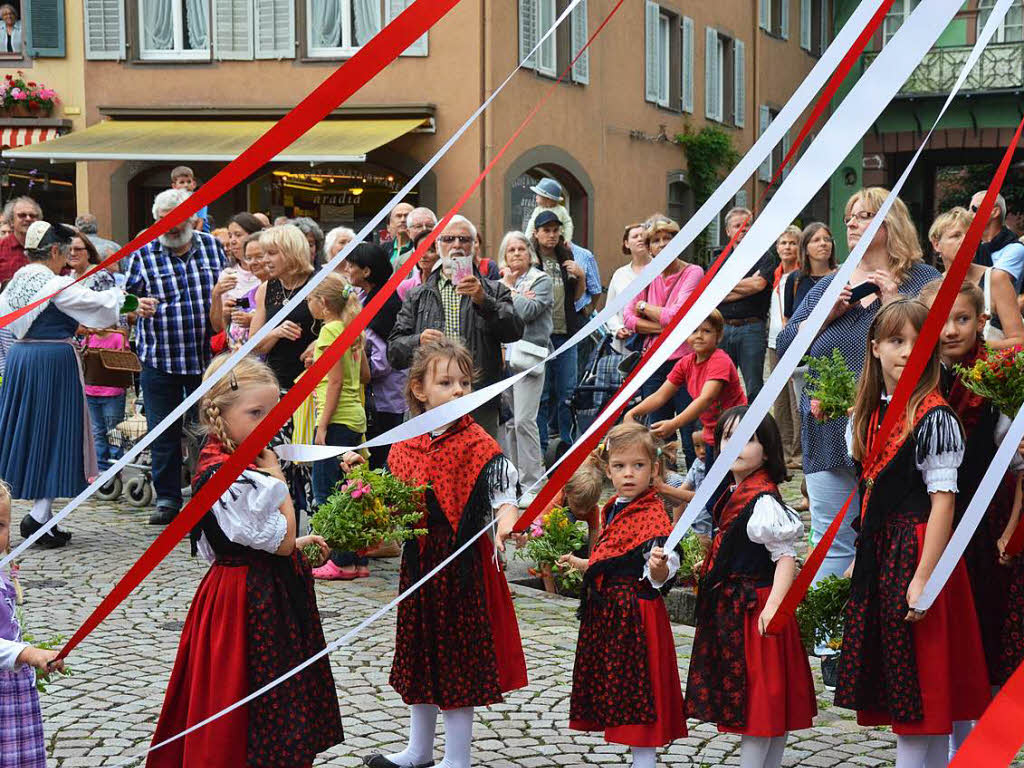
653,309
423,268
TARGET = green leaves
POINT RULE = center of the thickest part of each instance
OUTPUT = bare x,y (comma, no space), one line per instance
370,507
832,384
820,615
998,377
690,554
556,535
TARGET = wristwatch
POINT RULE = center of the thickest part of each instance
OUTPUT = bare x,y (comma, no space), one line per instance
641,307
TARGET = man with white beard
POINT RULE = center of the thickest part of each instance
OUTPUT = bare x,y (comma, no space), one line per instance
179,270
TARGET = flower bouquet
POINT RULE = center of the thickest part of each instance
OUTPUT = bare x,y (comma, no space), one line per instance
369,507
26,97
831,386
691,555
555,535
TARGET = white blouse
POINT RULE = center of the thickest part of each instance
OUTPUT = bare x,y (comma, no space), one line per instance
94,309
673,567
249,514
776,526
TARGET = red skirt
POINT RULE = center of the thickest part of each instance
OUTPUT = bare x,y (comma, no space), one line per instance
210,673
663,673
952,674
780,688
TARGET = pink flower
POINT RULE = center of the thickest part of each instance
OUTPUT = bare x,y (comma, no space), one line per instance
357,489
536,530
20,96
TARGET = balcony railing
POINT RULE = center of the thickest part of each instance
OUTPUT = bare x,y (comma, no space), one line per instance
1000,67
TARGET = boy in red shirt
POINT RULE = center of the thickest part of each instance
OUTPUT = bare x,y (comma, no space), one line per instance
710,377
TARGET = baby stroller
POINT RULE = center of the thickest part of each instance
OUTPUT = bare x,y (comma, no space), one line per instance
599,382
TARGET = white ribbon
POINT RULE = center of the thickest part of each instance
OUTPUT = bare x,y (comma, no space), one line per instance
973,514
281,316
778,128
935,15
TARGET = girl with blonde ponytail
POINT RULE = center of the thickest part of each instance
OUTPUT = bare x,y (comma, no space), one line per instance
257,596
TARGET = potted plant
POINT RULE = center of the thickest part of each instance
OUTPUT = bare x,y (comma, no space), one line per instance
820,619
555,535
25,98
369,507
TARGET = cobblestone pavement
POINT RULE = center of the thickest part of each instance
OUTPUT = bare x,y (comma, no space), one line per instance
106,711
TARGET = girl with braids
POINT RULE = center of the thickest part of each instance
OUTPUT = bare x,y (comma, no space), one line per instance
254,613
625,681
919,671
457,642
741,678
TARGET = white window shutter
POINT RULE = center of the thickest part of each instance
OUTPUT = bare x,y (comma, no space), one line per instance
651,64
784,19
579,32
687,84
764,119
785,152
823,42
275,29
764,14
528,32
104,29
394,8
741,198
714,233
805,24
740,83
712,76
232,29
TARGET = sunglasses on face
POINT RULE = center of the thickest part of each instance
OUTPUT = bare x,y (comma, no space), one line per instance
461,239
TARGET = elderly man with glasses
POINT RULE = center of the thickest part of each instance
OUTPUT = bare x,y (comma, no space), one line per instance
21,212
455,301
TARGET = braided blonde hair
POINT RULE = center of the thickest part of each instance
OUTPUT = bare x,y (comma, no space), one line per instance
247,372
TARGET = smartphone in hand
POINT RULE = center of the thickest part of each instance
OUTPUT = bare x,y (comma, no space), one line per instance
864,289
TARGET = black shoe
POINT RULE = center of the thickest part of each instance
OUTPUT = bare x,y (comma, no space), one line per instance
29,525
163,516
377,760
64,536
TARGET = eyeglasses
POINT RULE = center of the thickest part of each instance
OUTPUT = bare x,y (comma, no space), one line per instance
79,249
862,216
460,239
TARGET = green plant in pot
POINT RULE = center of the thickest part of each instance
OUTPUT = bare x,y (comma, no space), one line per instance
820,619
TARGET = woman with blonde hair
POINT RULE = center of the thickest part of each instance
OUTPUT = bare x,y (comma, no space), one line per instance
893,265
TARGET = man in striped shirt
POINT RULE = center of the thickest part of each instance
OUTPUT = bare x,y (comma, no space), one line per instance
179,270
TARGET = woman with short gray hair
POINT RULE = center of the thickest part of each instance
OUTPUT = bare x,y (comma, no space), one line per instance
315,238
533,298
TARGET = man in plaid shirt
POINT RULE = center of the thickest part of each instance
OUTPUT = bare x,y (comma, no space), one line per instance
179,270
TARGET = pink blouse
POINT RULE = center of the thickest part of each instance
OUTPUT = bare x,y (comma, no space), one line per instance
668,292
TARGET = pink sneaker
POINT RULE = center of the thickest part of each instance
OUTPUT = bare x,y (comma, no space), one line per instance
362,571
331,572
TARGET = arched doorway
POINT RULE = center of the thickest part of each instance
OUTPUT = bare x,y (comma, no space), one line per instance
553,163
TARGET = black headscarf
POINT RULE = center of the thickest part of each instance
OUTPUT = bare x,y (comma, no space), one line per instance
373,257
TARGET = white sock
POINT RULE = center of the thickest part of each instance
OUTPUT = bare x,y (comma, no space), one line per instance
645,757
778,746
912,751
458,737
961,730
422,728
938,752
754,751
41,510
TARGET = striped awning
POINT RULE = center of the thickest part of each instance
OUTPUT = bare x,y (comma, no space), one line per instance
11,138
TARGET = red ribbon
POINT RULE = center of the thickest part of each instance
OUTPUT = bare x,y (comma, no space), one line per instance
919,358
382,49
251,447
581,450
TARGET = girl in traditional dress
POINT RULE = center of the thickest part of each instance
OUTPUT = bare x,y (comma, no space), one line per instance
919,671
457,641
47,449
746,681
254,613
21,723
625,681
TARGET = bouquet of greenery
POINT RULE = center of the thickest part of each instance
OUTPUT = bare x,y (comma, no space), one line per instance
371,506
831,386
691,554
554,536
999,377
820,615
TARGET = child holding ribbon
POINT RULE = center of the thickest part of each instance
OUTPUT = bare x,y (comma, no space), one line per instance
920,671
457,642
625,680
744,680
254,613
21,722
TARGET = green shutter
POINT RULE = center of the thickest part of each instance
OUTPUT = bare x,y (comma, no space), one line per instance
44,24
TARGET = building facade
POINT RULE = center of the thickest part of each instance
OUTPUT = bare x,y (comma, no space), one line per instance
169,82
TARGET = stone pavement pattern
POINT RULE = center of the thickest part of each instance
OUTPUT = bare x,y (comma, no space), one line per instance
106,711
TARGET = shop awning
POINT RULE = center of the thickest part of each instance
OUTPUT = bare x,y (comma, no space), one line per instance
22,137
215,140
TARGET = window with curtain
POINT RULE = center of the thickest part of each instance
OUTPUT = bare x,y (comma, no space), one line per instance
1012,28
174,29
898,13
341,27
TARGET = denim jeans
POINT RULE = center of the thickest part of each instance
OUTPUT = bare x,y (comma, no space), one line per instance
105,413
326,474
675,406
746,345
560,377
162,392
827,492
